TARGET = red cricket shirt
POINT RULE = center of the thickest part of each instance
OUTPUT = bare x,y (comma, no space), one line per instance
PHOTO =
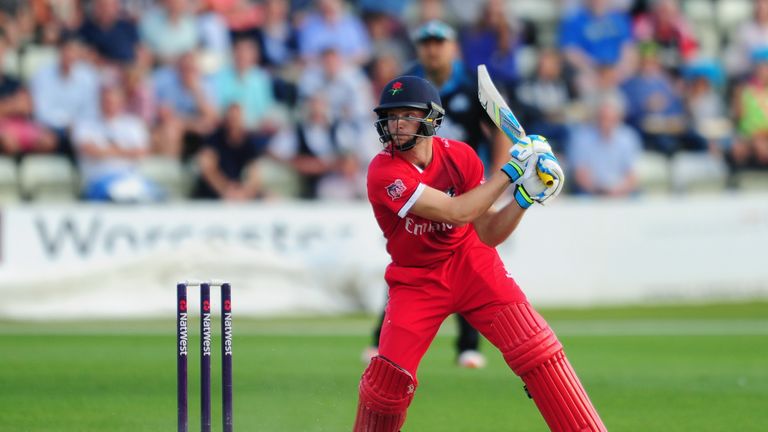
394,185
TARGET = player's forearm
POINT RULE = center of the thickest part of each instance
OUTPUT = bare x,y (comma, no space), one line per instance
500,153
497,226
468,207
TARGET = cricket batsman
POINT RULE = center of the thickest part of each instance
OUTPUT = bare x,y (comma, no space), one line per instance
435,210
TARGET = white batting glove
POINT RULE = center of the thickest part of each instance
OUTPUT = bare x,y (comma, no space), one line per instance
522,163
548,167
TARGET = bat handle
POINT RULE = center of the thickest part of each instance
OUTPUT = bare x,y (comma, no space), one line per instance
547,179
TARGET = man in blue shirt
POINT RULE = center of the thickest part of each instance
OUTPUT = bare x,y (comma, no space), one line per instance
113,38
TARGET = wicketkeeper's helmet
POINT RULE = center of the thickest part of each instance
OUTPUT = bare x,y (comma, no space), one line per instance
409,92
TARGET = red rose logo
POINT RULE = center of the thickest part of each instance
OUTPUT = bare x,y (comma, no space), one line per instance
396,88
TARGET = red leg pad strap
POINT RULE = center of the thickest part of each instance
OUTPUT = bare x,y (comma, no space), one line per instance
534,353
386,391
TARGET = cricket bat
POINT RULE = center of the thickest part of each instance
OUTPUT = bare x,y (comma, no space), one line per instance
503,117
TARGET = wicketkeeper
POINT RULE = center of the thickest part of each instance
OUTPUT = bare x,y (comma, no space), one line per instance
435,210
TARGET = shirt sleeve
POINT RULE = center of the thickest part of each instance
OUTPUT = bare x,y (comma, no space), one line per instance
397,190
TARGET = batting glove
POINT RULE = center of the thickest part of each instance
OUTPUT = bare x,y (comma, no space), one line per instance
522,163
547,166
526,159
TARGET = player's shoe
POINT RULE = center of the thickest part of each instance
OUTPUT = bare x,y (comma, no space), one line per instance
369,353
471,359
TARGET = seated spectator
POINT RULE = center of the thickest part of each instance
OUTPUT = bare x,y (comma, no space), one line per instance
602,154
665,26
747,38
247,85
109,149
214,37
542,101
710,127
320,150
65,92
595,35
139,95
277,37
169,30
388,36
751,148
332,26
655,106
19,134
239,15
227,161
494,42
383,69
344,85
186,108
113,38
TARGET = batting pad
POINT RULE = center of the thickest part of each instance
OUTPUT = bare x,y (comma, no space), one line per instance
386,391
534,353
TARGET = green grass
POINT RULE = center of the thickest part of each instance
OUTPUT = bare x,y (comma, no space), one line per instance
674,368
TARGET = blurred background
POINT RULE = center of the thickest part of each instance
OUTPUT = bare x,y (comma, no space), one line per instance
144,142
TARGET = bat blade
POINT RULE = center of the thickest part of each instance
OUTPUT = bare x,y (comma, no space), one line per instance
496,107
498,110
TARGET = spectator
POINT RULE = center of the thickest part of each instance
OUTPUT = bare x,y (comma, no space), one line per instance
247,85
239,15
603,153
655,106
113,38
330,26
439,63
344,86
666,27
169,30
751,149
139,95
596,35
18,133
277,37
493,41
710,127
388,36
418,13
186,108
747,38
109,149
214,37
227,162
318,151
383,69
543,100
65,92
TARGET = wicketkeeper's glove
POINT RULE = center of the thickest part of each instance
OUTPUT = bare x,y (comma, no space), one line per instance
533,153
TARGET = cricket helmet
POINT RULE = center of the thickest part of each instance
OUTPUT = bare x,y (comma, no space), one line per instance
409,92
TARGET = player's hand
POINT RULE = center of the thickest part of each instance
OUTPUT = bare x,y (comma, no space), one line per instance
522,163
548,167
534,154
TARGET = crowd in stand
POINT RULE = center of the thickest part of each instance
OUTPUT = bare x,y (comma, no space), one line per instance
219,84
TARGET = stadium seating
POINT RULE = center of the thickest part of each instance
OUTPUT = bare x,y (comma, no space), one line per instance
48,178
9,182
278,179
698,172
169,174
653,173
34,57
752,180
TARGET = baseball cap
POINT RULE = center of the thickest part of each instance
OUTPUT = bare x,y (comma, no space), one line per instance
434,29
